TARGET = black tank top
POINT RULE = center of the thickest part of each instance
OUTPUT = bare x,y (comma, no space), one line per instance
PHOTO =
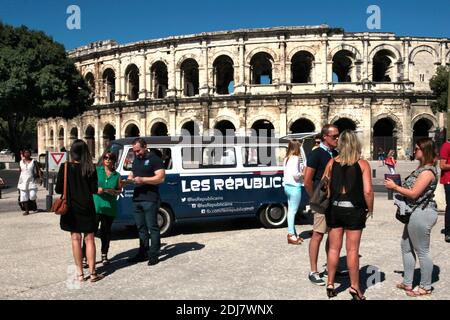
350,179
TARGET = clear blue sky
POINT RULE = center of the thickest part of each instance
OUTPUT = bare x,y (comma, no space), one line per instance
132,20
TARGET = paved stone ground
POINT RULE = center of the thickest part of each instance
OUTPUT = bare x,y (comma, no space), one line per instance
216,260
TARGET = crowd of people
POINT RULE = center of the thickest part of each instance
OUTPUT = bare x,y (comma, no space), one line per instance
351,201
336,156
92,203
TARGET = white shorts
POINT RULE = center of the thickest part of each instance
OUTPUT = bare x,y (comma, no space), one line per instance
26,195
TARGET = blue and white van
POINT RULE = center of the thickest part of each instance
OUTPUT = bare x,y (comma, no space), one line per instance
214,178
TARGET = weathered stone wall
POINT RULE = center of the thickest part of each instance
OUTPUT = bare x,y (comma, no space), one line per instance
402,95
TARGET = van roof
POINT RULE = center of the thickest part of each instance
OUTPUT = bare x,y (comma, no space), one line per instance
201,139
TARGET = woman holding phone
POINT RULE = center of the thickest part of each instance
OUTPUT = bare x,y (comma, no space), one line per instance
109,187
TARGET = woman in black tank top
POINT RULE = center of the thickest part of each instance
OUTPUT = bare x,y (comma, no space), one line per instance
351,201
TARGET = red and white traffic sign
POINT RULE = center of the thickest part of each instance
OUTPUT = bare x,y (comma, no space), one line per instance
55,159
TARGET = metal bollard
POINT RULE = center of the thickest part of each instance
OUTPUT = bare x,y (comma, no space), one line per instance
374,173
0,192
390,194
49,197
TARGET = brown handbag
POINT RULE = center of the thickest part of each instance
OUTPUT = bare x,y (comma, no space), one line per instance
60,206
320,200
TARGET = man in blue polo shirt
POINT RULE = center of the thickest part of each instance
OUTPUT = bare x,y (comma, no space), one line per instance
147,172
316,163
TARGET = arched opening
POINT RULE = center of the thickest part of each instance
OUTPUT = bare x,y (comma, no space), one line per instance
61,139
51,138
73,135
109,134
345,124
132,82
109,82
91,83
190,128
159,129
90,140
383,66
343,66
263,128
261,68
226,128
384,136
421,129
301,67
132,131
189,77
160,79
223,74
302,125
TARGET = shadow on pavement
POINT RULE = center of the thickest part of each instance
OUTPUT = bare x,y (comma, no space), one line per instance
368,276
120,260
416,281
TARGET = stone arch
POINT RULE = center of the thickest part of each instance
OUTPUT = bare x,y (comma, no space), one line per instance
292,53
302,65
308,125
190,77
234,121
186,57
132,74
223,74
269,51
426,116
106,67
426,48
88,69
263,128
262,65
346,116
387,47
109,76
74,133
153,122
159,129
159,80
89,136
392,117
267,117
126,124
158,59
61,137
108,133
227,53
346,47
196,124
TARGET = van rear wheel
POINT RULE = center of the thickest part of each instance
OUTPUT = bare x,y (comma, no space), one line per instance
273,215
165,221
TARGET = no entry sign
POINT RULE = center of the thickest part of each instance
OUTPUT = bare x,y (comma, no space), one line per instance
55,159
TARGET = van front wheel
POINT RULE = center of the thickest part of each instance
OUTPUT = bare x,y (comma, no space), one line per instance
273,215
165,221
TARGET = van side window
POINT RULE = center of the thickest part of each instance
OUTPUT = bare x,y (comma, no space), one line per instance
164,153
208,157
263,156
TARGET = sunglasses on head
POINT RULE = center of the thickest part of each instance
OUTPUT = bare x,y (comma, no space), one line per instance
417,148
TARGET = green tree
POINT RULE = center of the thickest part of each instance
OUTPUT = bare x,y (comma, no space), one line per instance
37,80
439,86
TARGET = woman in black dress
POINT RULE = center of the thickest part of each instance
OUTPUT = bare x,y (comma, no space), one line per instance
81,218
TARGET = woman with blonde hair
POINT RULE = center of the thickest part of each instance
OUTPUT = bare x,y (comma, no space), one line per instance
294,167
351,202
